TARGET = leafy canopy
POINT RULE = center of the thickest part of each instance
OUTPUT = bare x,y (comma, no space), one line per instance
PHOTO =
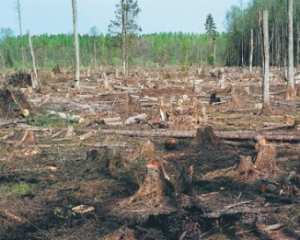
210,27
130,9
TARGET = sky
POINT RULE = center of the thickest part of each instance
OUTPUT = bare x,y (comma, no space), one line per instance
55,16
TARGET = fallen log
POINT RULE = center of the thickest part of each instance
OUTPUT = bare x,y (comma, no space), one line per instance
233,135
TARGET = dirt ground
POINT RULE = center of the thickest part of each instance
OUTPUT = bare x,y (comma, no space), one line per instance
49,165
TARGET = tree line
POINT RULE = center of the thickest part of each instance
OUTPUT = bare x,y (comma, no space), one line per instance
241,19
158,49
124,46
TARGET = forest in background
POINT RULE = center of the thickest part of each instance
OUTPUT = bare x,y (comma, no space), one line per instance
161,49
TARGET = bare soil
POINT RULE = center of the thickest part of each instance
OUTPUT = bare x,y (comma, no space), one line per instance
44,176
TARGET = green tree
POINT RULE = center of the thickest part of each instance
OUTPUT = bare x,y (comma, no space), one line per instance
210,28
125,25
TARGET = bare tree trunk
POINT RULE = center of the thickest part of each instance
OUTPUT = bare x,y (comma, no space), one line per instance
124,36
260,21
290,88
34,72
298,45
21,35
251,51
290,75
95,54
76,43
266,81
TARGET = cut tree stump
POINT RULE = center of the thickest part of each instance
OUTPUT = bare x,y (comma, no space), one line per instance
109,158
154,189
205,136
247,170
265,160
246,167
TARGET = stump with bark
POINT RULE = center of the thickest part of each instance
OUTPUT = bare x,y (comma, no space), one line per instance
247,169
205,136
155,188
265,160
109,158
234,102
12,103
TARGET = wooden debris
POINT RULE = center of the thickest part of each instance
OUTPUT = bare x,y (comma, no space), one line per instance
171,143
135,119
65,116
28,137
86,135
83,209
70,132
5,213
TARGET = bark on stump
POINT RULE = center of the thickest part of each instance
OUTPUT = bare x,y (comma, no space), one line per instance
265,160
205,136
246,167
109,158
154,189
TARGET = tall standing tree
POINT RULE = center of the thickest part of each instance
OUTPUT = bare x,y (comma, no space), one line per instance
290,92
210,28
76,42
266,110
18,8
126,26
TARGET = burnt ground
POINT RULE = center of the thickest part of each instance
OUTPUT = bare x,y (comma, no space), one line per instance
44,177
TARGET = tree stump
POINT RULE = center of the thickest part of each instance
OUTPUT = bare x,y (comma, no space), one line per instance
290,93
197,86
234,102
205,136
265,159
185,181
246,167
109,158
154,189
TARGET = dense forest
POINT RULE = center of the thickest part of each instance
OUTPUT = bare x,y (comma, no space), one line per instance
185,49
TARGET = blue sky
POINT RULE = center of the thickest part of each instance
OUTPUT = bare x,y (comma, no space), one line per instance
55,16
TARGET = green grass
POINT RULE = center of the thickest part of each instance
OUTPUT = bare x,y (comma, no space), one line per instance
45,119
20,188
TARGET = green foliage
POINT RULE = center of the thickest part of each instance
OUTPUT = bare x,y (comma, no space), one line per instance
211,60
147,50
241,19
58,212
20,188
50,120
129,9
210,27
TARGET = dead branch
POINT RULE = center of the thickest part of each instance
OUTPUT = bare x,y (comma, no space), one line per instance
243,210
5,213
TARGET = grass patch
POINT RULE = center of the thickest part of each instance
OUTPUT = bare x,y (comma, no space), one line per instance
21,188
45,119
